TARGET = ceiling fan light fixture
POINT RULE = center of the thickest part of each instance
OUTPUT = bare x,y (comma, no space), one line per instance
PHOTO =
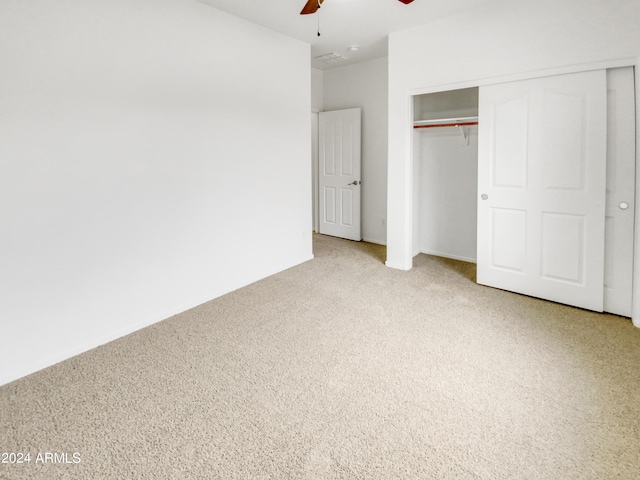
311,6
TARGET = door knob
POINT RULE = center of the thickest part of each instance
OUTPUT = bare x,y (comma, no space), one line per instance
484,196
355,182
623,205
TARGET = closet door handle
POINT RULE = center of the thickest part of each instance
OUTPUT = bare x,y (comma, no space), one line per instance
355,182
623,205
484,196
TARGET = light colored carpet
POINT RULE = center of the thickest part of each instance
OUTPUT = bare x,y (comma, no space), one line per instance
342,368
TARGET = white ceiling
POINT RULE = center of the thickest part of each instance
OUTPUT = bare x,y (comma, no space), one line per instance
366,23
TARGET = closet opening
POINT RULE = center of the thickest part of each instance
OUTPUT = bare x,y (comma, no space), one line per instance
445,146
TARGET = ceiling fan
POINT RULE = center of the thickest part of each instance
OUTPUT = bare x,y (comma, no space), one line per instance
312,6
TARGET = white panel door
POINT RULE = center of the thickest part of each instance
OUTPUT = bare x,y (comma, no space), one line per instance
618,271
339,173
541,181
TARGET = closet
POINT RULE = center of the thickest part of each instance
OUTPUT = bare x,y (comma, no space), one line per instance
541,193
446,173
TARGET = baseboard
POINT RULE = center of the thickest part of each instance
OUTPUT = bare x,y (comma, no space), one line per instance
88,345
63,355
397,266
447,255
371,240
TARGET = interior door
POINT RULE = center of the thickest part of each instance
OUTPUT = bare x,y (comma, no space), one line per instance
541,181
339,173
621,171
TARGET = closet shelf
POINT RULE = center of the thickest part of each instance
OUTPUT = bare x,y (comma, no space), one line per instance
446,122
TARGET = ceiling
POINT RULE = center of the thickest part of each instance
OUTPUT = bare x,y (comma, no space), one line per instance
343,23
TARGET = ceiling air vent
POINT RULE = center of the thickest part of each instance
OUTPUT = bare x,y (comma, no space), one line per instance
331,57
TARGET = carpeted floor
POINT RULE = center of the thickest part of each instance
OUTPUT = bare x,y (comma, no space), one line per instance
342,368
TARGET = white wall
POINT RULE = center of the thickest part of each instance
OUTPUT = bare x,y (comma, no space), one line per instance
364,85
154,155
317,104
448,184
514,38
317,90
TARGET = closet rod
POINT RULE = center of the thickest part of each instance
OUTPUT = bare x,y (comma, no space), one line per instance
435,125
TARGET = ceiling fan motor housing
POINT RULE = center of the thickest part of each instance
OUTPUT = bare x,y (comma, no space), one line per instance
312,6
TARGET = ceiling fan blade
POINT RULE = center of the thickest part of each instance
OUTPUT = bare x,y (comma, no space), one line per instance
406,2
312,6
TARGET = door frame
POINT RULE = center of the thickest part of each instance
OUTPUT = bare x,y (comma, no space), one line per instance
635,306
407,220
315,115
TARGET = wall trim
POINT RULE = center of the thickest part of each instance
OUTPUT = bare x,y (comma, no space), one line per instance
371,240
635,301
446,255
547,72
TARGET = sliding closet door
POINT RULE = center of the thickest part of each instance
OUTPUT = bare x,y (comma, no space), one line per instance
541,182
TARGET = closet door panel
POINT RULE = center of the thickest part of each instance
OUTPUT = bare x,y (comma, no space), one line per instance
509,156
563,248
508,239
565,145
